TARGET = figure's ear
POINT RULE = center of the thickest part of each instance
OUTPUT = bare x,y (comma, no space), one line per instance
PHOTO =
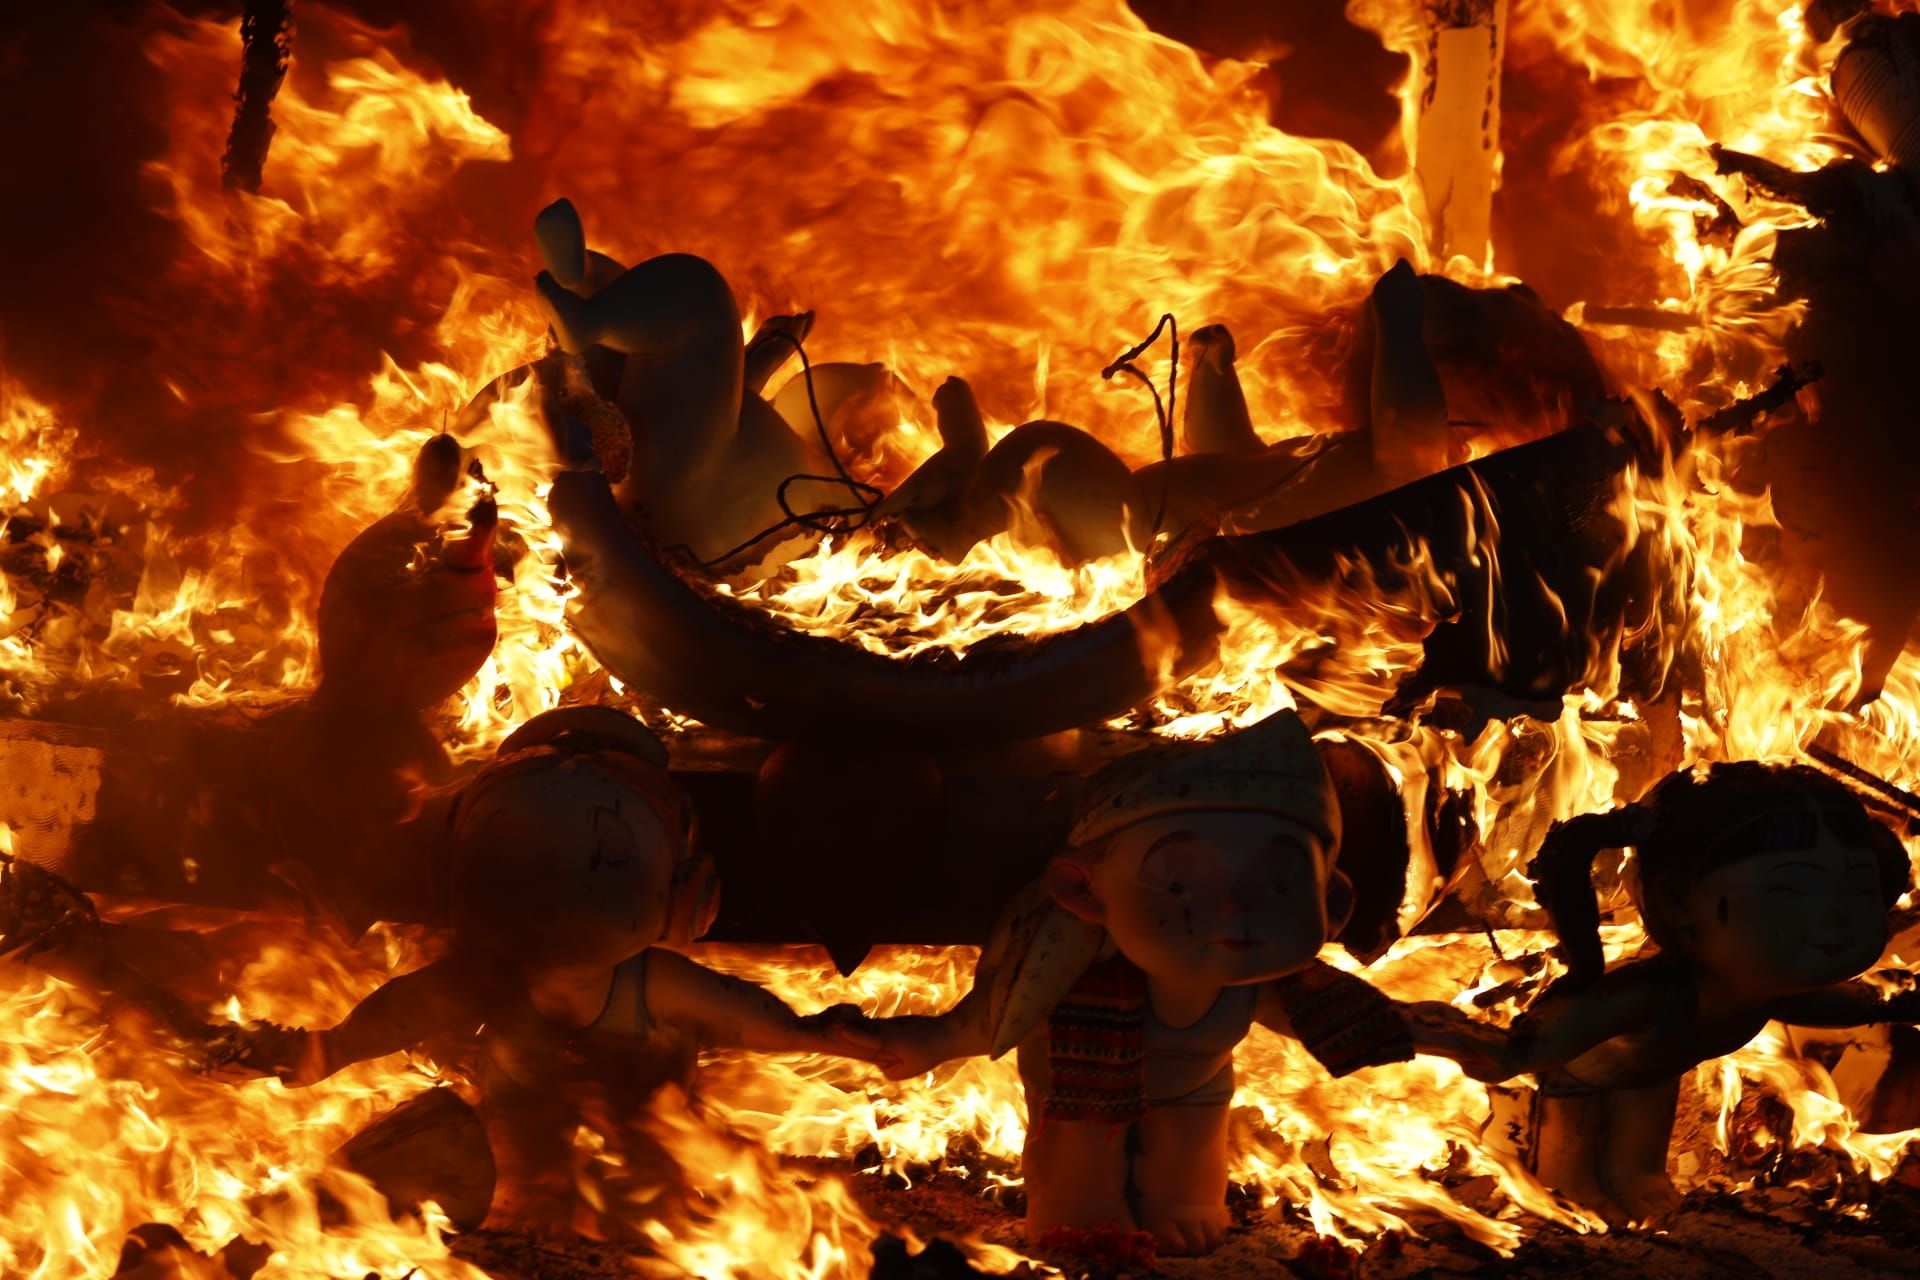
694,903
1070,882
1339,902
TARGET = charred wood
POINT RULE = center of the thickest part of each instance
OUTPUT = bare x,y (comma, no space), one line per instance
664,632
1738,418
1842,474
266,37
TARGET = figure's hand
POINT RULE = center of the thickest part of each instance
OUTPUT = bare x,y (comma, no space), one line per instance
1185,1229
909,1047
291,1054
1439,1029
846,1031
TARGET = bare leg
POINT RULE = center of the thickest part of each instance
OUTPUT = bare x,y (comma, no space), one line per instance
769,350
1568,1146
1634,1167
1076,1173
1180,1177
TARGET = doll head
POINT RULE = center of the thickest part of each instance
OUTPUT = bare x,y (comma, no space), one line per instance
1774,879
1211,864
575,846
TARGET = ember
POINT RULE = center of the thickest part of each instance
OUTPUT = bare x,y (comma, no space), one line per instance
1419,752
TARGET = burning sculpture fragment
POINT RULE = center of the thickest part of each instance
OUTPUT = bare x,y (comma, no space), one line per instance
722,468
1193,898
714,458
1765,891
573,886
1557,626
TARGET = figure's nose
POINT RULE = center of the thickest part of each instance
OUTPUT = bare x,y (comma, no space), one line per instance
1235,902
1841,920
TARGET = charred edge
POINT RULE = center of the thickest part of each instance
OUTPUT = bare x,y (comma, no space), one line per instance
723,663
266,36
720,662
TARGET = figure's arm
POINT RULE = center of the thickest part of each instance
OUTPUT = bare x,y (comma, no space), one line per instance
1559,1028
1270,1011
1440,1030
1847,1004
1340,1018
450,995
917,1043
727,1011
1347,1028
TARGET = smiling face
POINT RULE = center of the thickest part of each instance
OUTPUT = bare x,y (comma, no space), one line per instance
1231,897
1791,920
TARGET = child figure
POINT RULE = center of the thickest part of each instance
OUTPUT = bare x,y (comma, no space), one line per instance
1195,892
573,886
1765,889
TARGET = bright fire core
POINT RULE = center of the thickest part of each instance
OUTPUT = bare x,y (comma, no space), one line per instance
1008,191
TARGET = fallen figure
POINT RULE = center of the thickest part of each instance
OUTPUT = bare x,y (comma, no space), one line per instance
1765,891
573,887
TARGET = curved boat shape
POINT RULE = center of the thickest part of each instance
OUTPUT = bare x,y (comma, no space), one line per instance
725,664
1573,577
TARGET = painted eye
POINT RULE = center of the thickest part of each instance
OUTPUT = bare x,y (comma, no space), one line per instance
1176,887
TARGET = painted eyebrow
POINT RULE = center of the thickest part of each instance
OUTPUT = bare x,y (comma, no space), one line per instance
1789,866
1172,837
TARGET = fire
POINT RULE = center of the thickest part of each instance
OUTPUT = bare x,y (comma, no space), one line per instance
352,161
108,1129
1005,190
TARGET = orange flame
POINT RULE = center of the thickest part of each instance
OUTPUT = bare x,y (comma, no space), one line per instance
1005,190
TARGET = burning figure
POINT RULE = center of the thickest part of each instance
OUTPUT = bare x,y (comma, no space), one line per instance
1192,899
1766,890
573,887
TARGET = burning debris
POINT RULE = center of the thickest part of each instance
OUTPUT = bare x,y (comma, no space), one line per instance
399,657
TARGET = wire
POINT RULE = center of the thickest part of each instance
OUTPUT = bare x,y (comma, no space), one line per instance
825,519
1163,414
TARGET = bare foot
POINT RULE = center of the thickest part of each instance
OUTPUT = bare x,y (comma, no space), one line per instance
1082,1215
1587,1193
1186,1229
1647,1198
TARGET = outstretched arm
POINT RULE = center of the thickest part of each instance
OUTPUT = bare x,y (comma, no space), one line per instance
727,1011
1560,1027
447,997
1347,1024
450,995
1848,1004
915,1044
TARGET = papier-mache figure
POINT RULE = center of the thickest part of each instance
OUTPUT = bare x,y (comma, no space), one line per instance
1192,900
572,885
1766,891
